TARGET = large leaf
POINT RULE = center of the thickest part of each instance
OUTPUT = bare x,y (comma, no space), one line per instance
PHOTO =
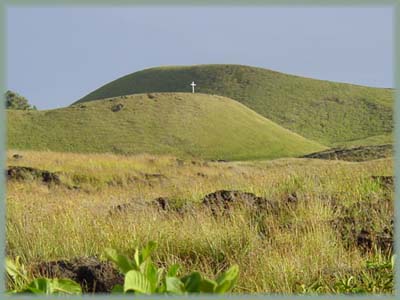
30,290
161,288
174,285
148,269
141,256
65,286
227,280
136,281
192,282
39,286
148,250
208,286
173,270
53,286
124,264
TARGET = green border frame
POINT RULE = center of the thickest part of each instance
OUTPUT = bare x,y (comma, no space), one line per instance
354,3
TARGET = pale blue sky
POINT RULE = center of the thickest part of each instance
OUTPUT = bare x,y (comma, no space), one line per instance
57,55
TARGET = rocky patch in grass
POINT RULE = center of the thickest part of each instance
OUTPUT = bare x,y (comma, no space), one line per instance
29,173
224,201
93,275
357,225
362,153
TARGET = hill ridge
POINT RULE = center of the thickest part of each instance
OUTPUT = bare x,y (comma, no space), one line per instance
328,112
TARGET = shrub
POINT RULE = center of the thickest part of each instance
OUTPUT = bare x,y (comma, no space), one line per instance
16,101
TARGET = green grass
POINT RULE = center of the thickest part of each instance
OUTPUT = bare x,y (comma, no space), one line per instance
181,124
328,112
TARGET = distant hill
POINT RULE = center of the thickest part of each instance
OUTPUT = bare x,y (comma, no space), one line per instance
181,124
328,112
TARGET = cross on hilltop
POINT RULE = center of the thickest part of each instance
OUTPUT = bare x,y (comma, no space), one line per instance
193,85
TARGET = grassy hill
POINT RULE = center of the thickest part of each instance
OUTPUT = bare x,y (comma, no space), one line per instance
328,112
181,124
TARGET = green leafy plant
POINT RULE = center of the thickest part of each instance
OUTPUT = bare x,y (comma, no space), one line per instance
52,286
142,276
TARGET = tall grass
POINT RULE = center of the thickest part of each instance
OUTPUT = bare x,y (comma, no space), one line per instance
277,253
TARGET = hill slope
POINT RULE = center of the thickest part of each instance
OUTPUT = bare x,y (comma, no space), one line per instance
328,112
181,124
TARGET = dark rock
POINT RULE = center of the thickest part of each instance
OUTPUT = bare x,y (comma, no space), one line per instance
223,200
17,156
28,173
93,275
364,239
117,107
162,203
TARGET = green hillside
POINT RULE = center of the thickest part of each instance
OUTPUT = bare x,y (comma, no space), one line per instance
181,124
328,112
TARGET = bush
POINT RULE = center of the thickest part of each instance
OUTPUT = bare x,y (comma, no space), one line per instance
16,101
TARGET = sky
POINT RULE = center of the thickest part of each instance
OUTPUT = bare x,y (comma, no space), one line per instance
56,55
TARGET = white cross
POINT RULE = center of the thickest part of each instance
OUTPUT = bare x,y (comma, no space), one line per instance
193,85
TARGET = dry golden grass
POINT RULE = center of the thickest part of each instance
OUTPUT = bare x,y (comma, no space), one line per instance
297,247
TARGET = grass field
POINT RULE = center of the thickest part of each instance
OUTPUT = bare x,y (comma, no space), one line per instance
327,112
304,246
179,124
